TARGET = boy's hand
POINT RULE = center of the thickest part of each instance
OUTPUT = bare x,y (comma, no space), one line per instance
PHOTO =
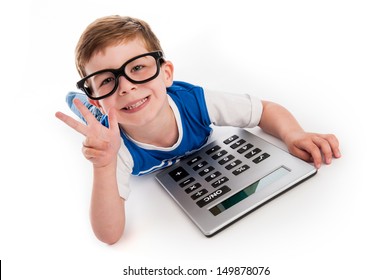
313,147
101,144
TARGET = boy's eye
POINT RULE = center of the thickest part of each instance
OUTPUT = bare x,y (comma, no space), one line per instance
137,68
107,81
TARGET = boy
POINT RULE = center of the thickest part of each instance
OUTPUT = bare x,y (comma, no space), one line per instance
147,121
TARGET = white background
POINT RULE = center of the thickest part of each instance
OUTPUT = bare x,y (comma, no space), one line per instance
328,62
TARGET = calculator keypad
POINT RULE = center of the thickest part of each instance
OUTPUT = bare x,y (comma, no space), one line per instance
213,183
178,174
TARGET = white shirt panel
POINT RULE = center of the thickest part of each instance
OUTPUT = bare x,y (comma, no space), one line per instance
124,170
238,110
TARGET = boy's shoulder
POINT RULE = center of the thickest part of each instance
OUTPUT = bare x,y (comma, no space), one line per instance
186,92
182,86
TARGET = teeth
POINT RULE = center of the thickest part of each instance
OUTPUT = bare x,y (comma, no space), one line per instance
136,104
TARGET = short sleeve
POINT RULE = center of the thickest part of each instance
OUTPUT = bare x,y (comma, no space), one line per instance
238,110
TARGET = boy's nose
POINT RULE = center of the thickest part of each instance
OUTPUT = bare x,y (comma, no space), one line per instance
125,86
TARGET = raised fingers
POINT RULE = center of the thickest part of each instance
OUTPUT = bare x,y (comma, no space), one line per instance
92,123
88,116
71,122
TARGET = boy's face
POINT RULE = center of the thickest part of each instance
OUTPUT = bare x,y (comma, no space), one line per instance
135,104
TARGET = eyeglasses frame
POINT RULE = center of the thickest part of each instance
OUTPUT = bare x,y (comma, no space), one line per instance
158,55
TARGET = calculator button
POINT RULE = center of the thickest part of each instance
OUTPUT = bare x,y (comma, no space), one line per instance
193,187
194,160
219,182
178,174
253,153
245,148
230,139
261,158
226,159
233,164
219,154
199,194
238,143
200,165
206,170
213,176
186,182
213,149
241,169
213,196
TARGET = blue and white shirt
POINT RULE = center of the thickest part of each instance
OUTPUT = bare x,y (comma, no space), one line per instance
195,110
188,104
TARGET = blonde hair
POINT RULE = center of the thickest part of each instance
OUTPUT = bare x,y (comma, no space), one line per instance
112,30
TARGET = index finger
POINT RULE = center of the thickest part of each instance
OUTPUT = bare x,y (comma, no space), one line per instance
71,122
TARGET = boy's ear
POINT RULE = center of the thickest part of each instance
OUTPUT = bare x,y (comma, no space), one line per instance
168,71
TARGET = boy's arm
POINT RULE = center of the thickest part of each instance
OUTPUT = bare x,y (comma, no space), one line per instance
107,213
279,122
101,147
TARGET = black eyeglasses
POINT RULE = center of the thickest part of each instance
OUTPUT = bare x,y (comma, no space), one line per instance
138,70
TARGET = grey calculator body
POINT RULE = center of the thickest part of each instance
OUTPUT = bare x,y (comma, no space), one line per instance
230,177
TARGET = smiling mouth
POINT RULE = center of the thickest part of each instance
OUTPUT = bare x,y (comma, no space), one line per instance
135,105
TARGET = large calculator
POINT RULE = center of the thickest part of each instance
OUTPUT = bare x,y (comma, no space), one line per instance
229,178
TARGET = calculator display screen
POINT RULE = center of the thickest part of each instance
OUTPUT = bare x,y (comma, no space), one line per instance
249,190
